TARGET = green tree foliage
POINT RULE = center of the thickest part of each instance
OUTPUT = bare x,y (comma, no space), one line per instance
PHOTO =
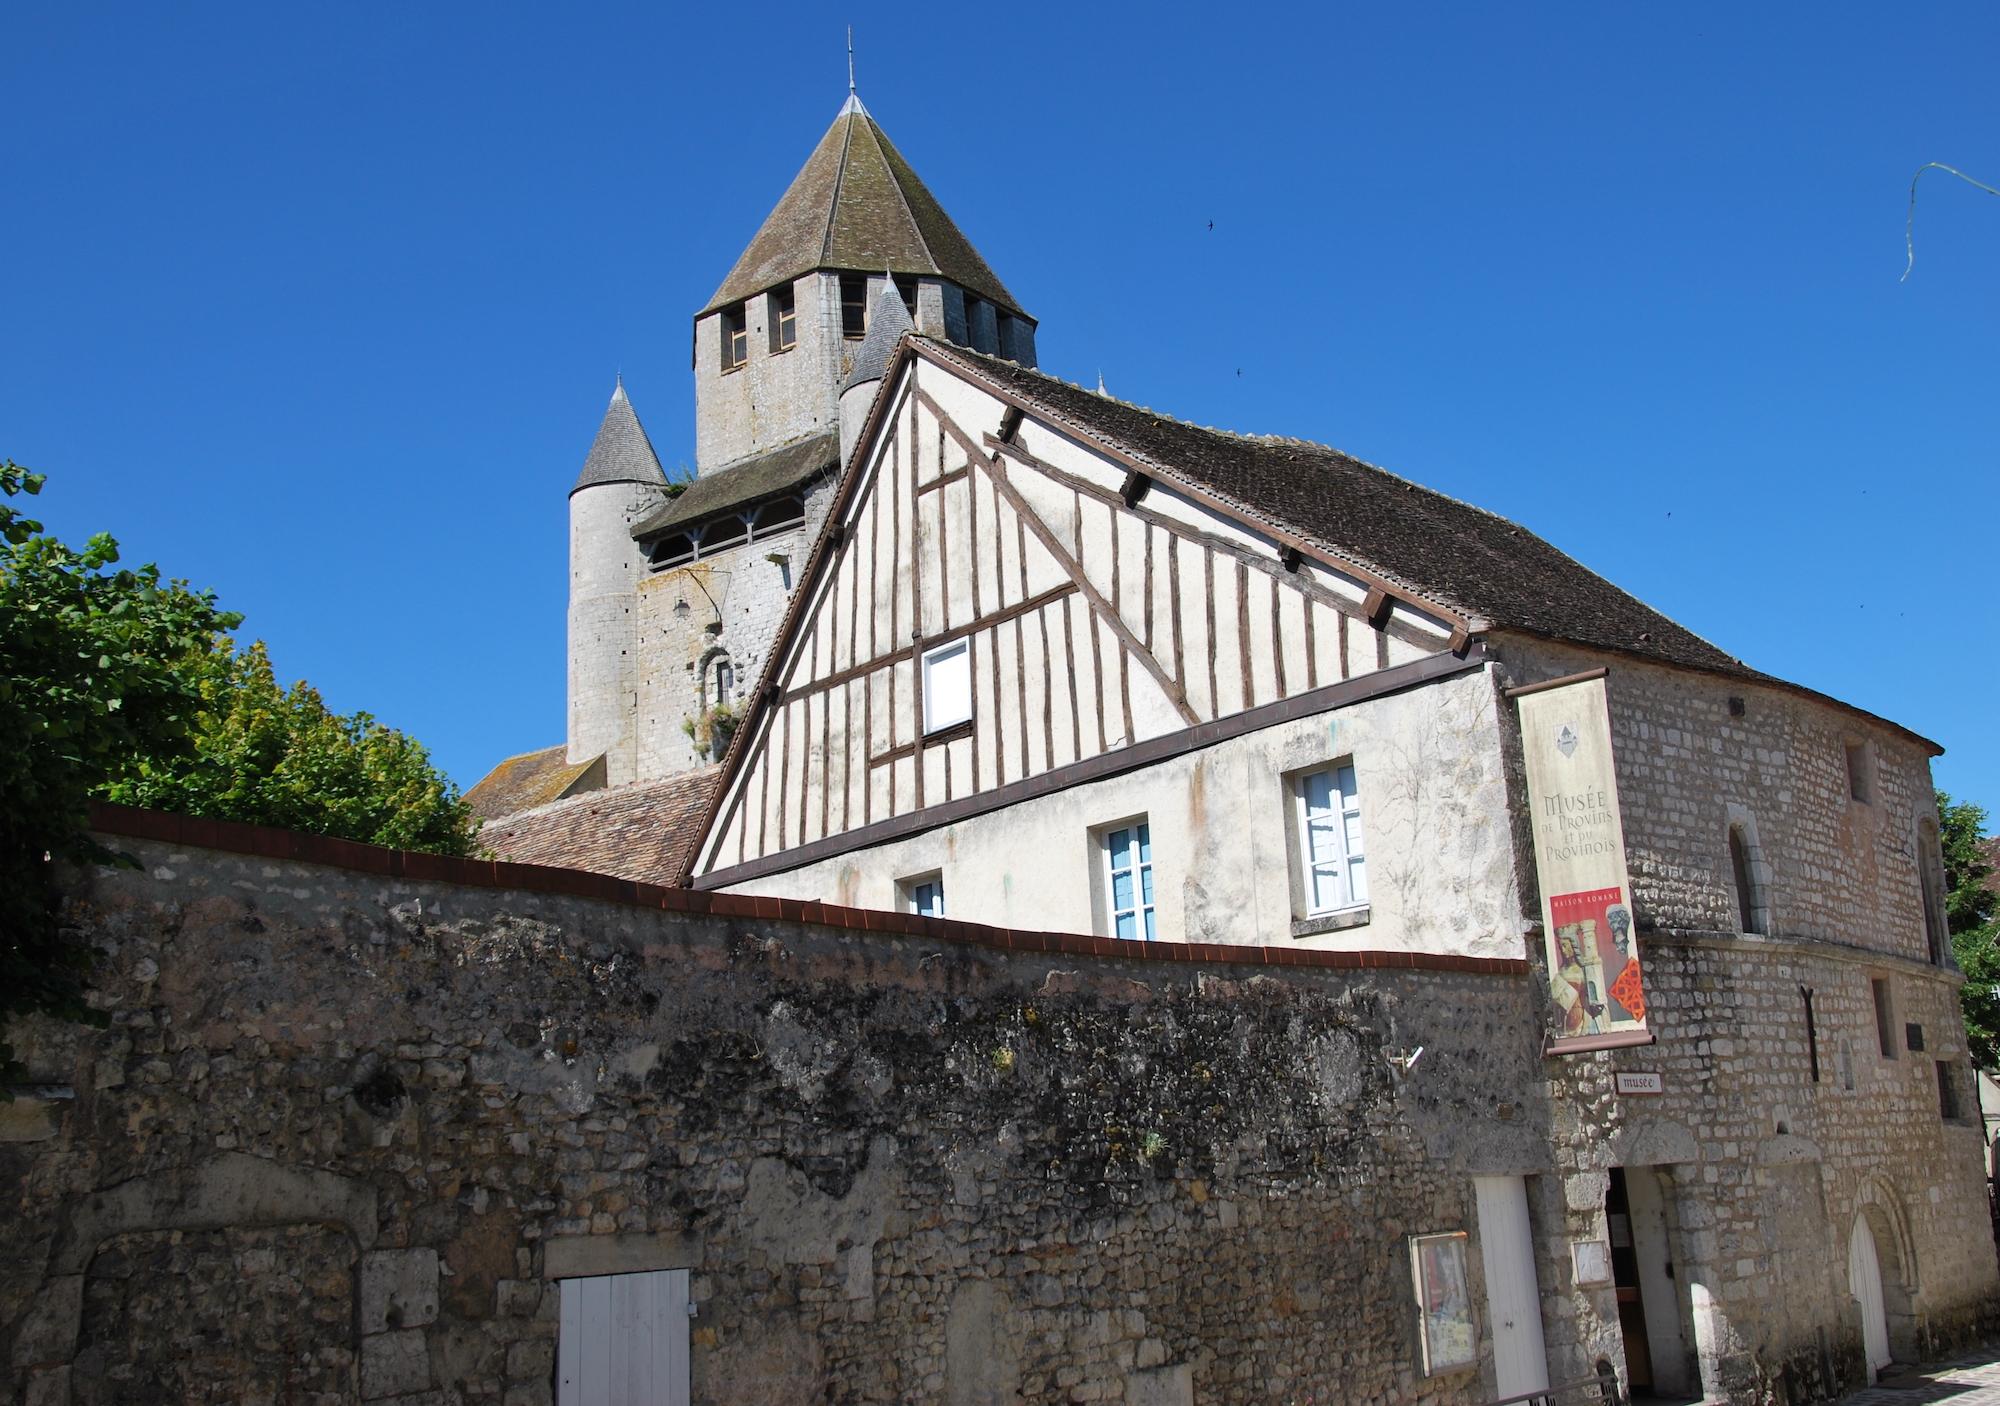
98,664
117,684
276,756
1975,933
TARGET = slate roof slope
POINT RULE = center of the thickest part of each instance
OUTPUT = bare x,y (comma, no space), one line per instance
621,453
857,205
641,832
746,481
1461,557
529,780
886,326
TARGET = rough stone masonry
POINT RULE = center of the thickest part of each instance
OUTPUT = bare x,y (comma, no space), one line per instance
349,1127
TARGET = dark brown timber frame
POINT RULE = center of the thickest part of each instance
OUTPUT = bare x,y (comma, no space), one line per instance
1106,764
898,390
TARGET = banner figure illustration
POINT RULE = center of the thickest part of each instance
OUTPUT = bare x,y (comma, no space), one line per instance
1595,976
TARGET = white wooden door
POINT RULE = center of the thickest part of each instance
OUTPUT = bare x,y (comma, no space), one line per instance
1513,1300
1864,1281
624,1340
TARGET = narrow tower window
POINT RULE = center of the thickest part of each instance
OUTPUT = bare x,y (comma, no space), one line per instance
853,305
1746,884
1857,772
735,338
784,320
1885,1016
974,323
906,288
1930,861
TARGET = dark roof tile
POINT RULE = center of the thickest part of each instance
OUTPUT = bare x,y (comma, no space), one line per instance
637,832
1463,558
746,481
532,779
621,453
857,205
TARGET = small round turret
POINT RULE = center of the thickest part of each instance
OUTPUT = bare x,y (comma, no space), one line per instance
886,326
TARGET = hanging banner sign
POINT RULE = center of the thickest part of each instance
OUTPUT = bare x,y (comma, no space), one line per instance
1593,956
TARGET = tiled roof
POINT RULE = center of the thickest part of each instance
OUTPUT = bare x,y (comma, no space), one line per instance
637,832
744,482
1463,558
532,779
621,453
857,205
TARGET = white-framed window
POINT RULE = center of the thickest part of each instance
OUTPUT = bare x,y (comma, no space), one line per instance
1128,880
924,894
1332,860
947,685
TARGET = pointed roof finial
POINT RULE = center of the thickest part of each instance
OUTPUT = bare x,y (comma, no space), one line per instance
1100,382
850,61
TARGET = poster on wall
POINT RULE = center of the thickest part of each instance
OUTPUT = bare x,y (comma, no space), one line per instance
1593,955
1444,1302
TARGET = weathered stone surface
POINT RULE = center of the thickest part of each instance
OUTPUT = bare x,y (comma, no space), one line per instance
399,1289
888,1211
1162,1386
573,1256
48,1334
393,1364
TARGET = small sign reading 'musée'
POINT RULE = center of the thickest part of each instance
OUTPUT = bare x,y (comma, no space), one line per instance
1641,1083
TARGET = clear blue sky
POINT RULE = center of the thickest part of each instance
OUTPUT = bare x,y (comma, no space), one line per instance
320,305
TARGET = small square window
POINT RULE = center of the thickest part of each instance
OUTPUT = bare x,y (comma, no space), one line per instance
1949,1107
853,305
1333,868
947,686
1128,880
924,895
782,314
735,338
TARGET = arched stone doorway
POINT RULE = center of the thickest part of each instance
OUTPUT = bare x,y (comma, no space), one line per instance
1864,1283
1881,1278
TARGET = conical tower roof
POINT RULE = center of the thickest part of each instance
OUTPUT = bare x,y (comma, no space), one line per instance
621,453
857,206
886,326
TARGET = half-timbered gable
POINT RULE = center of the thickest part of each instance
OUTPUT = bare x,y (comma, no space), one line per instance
1073,603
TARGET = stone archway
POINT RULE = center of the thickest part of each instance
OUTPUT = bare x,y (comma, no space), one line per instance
1887,1245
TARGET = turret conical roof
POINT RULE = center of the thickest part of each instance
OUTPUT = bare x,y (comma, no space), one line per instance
886,326
856,205
621,453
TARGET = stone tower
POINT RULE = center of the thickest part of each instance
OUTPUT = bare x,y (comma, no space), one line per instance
775,343
621,483
676,597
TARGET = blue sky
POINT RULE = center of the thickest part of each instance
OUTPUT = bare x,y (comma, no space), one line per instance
320,305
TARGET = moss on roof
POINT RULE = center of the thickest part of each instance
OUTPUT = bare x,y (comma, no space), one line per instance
857,205
641,832
533,779
744,482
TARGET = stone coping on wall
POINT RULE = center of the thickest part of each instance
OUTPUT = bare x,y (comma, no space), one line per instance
267,842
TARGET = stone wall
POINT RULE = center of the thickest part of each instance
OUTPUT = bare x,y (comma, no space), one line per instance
901,1159
736,599
900,1167
605,568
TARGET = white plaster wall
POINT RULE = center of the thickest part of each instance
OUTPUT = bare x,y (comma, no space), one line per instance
1434,811
1227,624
